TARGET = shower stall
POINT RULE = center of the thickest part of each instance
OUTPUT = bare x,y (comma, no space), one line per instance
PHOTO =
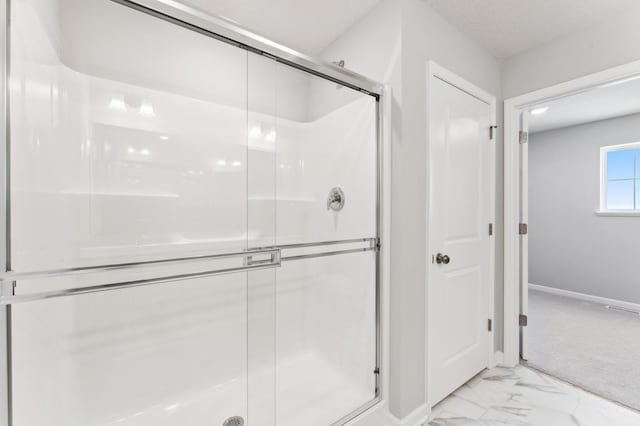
192,223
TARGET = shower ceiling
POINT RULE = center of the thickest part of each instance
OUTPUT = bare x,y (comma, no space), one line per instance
305,25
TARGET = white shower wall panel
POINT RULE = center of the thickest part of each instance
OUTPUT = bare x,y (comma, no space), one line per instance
200,351
120,151
105,170
325,338
164,355
334,150
197,352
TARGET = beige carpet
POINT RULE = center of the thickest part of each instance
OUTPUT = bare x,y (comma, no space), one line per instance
586,344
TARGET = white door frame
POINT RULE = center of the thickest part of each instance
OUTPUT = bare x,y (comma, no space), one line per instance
437,71
512,109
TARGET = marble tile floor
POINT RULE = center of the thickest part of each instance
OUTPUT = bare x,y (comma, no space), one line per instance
521,396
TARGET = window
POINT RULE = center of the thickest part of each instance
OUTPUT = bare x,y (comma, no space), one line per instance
620,178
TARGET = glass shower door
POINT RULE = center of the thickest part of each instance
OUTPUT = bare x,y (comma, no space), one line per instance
228,200
312,321
326,203
128,148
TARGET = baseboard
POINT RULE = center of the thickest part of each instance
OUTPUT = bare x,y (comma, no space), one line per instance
498,358
587,297
417,417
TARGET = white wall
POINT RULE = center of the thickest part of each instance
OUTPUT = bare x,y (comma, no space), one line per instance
610,43
427,36
367,48
393,44
571,248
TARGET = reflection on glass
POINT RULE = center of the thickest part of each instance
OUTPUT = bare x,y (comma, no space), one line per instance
124,146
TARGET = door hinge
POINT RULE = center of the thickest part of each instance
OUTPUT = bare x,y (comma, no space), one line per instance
523,229
492,132
491,229
523,136
377,244
489,324
523,320
376,370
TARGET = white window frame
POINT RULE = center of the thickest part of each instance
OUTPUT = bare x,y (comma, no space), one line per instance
604,211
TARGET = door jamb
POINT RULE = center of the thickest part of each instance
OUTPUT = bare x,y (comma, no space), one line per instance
512,108
437,71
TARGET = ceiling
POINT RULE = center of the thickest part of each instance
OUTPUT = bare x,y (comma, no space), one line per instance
308,26
598,104
508,27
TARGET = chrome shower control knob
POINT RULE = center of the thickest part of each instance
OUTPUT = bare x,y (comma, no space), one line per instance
234,421
336,199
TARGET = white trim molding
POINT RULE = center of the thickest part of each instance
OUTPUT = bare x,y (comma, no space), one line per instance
512,109
618,213
627,306
498,358
417,417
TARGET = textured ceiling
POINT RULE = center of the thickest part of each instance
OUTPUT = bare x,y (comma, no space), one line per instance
508,27
598,104
305,25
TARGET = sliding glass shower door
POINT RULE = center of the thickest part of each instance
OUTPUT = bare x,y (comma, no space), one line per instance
193,228
310,139
128,147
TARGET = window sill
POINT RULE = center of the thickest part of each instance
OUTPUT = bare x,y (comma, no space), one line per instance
618,213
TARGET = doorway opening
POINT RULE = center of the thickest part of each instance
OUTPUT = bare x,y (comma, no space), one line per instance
572,217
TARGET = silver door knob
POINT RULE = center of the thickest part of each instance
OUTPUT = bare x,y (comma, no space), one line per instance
442,258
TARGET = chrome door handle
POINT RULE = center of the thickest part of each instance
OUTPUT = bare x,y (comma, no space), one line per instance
442,258
264,258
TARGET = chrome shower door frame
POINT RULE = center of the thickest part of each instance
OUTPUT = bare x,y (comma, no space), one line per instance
228,32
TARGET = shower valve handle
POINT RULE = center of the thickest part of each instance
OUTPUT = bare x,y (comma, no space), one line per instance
336,199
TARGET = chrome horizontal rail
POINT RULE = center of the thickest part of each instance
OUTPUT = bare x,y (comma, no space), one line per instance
9,300
327,243
50,273
250,263
327,253
59,272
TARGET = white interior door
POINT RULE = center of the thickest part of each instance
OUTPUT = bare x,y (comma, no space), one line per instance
524,238
460,214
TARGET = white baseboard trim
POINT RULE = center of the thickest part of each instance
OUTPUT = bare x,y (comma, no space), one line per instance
498,358
417,417
587,297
